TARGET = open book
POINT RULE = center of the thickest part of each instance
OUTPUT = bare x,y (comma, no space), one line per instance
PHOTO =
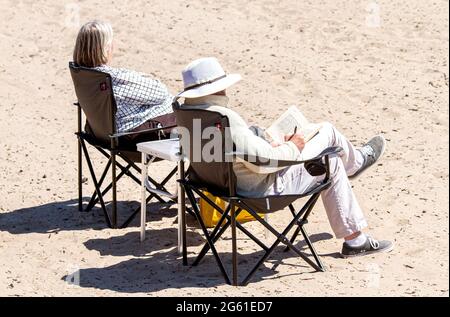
284,125
290,121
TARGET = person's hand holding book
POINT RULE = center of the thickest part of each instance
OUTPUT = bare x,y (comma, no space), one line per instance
297,139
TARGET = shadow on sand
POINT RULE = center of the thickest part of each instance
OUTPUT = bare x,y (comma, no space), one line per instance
163,268
64,216
156,264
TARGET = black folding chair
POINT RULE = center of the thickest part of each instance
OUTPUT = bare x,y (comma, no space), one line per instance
95,97
218,178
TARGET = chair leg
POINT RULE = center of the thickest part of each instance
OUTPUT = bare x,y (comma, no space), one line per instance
93,201
207,236
294,236
225,226
304,220
114,190
313,250
215,234
260,262
94,198
97,189
80,175
281,237
298,220
161,185
135,212
126,170
80,159
151,180
234,244
99,194
219,230
181,198
149,198
184,239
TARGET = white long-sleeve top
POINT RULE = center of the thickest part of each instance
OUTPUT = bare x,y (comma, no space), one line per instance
249,182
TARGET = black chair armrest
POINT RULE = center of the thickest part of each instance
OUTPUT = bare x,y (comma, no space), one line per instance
266,162
118,135
316,166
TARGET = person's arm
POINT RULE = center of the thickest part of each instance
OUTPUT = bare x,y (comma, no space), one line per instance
258,131
248,143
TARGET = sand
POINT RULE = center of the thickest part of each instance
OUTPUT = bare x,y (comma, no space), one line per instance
336,60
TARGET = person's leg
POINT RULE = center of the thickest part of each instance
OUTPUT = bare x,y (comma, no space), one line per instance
343,211
345,215
328,136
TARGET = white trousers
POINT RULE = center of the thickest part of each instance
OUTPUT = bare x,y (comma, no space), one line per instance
343,211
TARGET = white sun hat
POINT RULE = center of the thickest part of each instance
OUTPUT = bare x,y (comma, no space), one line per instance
204,77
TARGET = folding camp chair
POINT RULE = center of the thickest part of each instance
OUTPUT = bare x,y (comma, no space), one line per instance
217,177
95,97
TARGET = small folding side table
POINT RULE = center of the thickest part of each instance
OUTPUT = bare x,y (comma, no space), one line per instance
168,150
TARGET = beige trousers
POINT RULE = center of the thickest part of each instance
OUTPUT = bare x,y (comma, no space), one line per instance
343,211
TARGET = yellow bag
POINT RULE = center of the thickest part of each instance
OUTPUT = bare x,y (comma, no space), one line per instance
211,216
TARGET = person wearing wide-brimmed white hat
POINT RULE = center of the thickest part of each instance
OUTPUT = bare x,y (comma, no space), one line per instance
205,85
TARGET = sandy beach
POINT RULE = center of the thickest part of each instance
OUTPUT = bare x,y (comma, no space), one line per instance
367,67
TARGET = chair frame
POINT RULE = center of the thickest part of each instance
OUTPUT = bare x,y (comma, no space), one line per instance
316,166
112,152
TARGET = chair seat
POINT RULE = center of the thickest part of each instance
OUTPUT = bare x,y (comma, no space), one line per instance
92,140
267,204
129,149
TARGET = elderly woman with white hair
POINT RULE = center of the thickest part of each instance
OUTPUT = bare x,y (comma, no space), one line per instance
142,102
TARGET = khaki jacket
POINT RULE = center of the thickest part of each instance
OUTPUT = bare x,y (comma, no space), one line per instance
249,182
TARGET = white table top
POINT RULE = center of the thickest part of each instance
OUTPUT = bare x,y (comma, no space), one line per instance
165,149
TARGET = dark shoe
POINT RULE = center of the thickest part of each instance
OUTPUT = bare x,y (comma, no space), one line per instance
371,152
369,247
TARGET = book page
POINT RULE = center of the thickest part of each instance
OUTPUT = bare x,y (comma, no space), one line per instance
286,124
